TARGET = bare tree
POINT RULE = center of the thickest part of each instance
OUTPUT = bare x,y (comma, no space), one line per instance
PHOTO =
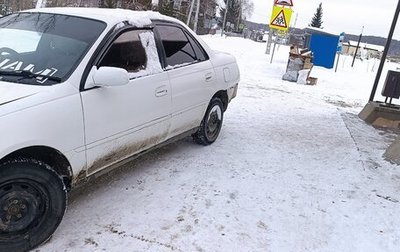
247,9
233,12
137,4
238,10
108,3
10,6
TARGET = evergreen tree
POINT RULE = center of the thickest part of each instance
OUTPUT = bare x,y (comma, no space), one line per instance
233,11
166,7
316,21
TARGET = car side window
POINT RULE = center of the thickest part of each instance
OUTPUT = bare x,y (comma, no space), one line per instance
201,56
127,52
180,49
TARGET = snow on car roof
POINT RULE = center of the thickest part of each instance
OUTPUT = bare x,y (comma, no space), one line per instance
110,16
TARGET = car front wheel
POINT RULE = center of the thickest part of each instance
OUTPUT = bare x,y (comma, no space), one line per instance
211,124
32,203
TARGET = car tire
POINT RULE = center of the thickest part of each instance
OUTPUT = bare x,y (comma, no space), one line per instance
33,200
211,124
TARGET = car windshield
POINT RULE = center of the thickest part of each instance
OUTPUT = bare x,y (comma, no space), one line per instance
44,49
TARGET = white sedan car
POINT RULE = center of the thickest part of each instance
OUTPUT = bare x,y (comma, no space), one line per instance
84,90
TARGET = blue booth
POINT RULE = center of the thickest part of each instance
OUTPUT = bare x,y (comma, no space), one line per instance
324,46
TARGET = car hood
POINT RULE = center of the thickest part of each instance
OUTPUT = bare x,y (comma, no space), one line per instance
11,92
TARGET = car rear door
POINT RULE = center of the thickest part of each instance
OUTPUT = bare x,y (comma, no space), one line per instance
191,75
123,120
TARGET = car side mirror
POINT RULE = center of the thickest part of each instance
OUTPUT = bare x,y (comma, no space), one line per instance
110,77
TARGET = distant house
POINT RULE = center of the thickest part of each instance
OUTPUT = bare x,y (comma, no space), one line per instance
365,50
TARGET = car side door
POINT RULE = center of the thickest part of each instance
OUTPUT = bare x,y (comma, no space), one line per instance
191,74
123,120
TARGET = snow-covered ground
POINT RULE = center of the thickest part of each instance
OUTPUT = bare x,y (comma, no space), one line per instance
294,169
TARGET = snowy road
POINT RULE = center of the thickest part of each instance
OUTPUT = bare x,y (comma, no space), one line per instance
294,169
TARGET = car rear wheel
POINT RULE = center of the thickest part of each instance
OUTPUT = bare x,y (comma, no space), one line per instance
32,204
211,124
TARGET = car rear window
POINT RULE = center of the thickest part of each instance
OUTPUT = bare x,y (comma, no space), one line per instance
180,48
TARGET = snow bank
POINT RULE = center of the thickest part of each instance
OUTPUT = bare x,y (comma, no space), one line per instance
294,169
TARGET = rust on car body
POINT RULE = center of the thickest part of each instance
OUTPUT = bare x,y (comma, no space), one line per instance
80,178
124,152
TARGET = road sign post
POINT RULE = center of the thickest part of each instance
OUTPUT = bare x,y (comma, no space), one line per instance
280,20
269,42
273,52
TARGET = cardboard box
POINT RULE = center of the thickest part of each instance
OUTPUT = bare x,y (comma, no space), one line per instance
308,65
312,81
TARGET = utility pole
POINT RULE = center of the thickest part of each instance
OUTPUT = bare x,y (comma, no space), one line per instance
240,16
385,52
223,24
269,42
358,44
295,21
190,13
196,17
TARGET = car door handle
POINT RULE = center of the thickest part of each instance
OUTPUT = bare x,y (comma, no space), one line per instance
161,91
208,76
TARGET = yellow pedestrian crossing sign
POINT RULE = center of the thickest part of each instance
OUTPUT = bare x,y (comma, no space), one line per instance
280,18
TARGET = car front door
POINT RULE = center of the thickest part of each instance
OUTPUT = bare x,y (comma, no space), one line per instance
191,75
124,120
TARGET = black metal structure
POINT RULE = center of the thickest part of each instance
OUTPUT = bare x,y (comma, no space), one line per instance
385,52
391,89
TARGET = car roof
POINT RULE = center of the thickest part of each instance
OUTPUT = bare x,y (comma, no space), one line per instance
109,16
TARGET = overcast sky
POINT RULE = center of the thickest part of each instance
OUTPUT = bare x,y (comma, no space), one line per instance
339,15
